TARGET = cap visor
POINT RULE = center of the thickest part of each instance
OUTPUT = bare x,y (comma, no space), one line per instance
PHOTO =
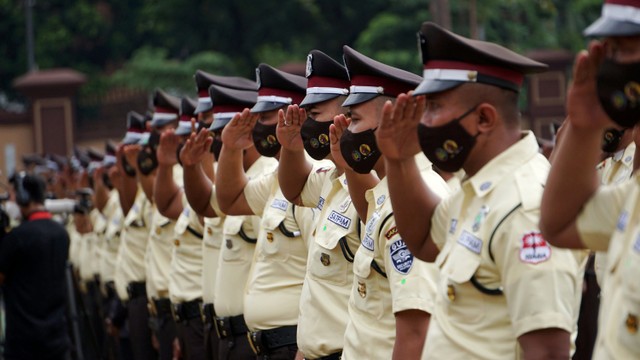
202,107
183,129
130,139
264,106
609,27
156,123
218,124
435,86
144,139
355,99
311,99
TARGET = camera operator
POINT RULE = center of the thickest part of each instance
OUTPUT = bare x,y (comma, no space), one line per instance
32,272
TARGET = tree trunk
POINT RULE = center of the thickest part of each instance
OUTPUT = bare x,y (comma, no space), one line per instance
440,12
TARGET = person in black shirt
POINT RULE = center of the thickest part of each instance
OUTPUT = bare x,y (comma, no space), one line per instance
32,274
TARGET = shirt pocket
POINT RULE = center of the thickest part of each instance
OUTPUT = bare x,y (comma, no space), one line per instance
463,299
234,247
367,296
274,246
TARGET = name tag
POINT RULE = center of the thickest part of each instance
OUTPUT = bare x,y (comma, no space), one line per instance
367,242
470,241
339,220
372,222
320,203
280,204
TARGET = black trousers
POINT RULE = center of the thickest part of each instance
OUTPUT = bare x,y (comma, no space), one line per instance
236,347
139,331
211,342
191,336
281,353
588,317
166,331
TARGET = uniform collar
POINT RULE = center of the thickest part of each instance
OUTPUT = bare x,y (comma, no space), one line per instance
39,215
504,164
342,179
625,155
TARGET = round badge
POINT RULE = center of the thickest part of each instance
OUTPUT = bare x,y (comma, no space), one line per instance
314,143
365,149
356,155
632,90
450,146
618,100
264,143
323,138
441,154
271,139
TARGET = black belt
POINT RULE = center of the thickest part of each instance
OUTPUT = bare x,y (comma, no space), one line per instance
162,306
230,326
208,313
110,287
264,341
334,356
187,310
137,289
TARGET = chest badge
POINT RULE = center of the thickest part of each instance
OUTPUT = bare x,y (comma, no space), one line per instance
362,289
479,219
451,292
632,323
325,259
229,244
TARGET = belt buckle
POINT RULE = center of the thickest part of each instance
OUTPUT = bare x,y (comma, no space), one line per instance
203,314
175,312
255,338
151,305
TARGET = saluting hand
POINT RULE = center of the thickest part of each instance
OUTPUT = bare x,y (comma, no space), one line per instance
288,129
167,148
340,124
583,107
397,135
131,154
196,147
237,134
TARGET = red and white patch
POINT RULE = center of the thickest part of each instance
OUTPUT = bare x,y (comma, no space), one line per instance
534,248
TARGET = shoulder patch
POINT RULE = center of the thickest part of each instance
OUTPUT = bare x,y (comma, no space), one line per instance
391,233
280,204
320,203
401,257
367,242
534,249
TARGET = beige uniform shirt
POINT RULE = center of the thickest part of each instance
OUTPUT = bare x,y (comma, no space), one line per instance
610,222
111,241
273,290
238,239
74,244
409,283
185,277
158,256
130,263
213,228
327,284
499,279
613,170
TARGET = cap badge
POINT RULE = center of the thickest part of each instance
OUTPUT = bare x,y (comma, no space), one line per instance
472,76
309,68
258,77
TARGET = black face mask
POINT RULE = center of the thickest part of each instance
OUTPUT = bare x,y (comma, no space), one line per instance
315,137
216,147
128,169
154,140
611,140
265,140
147,160
360,150
619,91
106,181
449,145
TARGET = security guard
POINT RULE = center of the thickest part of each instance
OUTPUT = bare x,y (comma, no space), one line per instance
576,212
275,282
328,281
130,273
159,246
392,294
503,292
185,274
213,226
238,236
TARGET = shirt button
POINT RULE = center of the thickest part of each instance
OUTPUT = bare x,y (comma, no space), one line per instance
451,292
270,237
176,242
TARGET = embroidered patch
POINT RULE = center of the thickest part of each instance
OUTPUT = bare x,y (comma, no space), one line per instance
452,226
534,248
345,205
380,200
401,257
623,219
367,242
391,233
320,203
322,170
185,211
339,219
280,204
636,245
470,241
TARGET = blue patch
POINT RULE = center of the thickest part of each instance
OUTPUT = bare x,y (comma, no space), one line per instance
401,257
185,211
470,241
320,203
636,245
280,204
339,219
623,219
380,200
485,185
367,242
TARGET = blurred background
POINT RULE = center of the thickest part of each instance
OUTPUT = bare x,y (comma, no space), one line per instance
70,70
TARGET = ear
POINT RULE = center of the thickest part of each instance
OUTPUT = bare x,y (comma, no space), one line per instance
488,117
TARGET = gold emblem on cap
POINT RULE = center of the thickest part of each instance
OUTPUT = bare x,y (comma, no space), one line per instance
472,76
270,237
325,259
451,292
632,323
362,289
176,242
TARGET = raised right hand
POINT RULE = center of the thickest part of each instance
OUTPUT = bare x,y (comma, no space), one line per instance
237,134
288,130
